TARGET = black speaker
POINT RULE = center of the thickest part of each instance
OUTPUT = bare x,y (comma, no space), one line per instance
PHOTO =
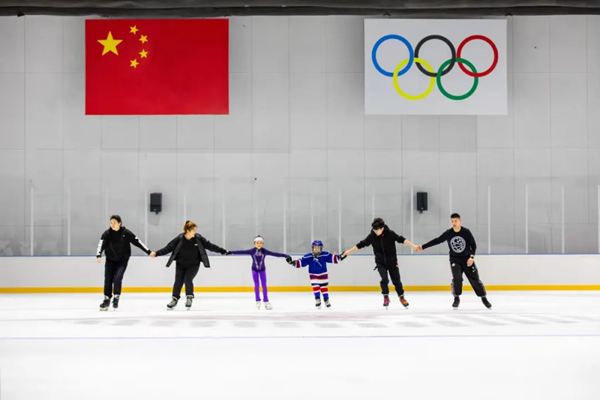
421,201
155,202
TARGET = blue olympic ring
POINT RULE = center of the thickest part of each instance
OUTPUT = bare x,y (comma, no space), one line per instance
411,55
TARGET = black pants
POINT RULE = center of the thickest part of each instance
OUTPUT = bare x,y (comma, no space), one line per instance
394,273
113,275
459,267
185,274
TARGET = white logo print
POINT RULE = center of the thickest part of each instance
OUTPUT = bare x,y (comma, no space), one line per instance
458,244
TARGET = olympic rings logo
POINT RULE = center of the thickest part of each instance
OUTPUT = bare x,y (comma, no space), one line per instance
423,66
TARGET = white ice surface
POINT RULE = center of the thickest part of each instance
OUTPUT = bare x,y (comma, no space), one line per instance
532,345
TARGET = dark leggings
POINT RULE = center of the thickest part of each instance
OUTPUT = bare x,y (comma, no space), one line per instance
185,274
394,273
113,275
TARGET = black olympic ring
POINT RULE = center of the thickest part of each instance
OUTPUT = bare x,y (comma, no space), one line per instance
452,50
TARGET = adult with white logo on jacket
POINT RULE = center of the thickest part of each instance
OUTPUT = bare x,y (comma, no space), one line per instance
115,243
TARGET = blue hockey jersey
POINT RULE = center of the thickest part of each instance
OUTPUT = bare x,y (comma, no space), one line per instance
318,264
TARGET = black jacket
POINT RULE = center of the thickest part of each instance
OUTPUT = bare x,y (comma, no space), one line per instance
384,246
461,244
203,244
115,254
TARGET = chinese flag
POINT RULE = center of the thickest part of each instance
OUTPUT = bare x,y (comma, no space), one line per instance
143,67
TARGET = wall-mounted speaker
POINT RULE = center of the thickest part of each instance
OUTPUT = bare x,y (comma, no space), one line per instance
421,201
155,202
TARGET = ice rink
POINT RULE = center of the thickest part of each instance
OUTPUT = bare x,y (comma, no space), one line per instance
531,345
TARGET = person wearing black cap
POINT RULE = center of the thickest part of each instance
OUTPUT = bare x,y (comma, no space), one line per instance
115,243
383,240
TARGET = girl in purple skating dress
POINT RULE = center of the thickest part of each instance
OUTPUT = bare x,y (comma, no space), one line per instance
259,273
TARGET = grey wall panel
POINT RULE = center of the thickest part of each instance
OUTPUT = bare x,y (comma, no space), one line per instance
297,126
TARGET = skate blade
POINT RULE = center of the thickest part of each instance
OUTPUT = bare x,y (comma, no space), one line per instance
104,309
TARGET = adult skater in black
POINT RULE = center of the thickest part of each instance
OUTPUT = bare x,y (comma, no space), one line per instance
115,243
462,259
383,240
188,251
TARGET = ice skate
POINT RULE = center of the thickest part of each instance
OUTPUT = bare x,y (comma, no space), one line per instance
327,303
404,302
386,301
173,303
486,303
318,303
258,305
456,302
188,302
115,301
104,305
268,306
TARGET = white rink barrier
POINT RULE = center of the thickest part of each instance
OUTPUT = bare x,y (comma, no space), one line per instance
232,273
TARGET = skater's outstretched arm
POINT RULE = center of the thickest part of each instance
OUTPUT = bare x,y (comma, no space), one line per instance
101,246
441,239
248,252
303,262
366,242
134,240
332,258
212,247
168,248
274,254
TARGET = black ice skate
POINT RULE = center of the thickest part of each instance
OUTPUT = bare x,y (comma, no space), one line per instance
486,303
456,302
104,305
386,301
318,303
173,303
188,302
115,301
327,303
403,301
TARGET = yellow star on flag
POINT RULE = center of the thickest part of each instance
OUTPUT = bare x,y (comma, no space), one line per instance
144,54
144,38
134,63
110,44
133,29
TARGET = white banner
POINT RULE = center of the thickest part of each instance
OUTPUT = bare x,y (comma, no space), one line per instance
443,67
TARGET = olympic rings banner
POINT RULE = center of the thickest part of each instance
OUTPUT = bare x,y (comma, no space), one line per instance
435,67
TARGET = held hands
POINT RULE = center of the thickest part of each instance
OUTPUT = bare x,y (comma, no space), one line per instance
153,255
227,253
418,248
342,257
288,260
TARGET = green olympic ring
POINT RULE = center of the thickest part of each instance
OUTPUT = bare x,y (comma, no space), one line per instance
451,96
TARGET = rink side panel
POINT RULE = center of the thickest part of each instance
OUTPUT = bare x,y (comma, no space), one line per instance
232,274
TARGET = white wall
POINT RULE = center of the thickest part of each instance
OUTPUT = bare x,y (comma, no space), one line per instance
297,94
354,272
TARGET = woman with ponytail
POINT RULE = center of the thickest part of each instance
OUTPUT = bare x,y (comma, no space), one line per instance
188,250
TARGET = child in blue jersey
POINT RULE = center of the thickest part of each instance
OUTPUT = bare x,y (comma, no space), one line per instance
317,270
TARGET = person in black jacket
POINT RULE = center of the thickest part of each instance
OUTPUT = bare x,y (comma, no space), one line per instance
383,240
115,243
188,250
462,255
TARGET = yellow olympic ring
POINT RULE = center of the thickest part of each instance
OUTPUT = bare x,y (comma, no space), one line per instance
416,96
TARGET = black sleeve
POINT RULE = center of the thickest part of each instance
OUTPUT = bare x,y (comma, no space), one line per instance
212,247
366,242
398,238
471,242
137,242
169,248
101,244
443,237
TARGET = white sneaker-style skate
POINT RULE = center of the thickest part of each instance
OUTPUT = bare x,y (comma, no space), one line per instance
268,306
258,305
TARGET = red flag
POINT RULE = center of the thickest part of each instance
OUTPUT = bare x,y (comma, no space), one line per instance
142,67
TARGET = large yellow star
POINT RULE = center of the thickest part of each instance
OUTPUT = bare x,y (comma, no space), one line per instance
144,54
134,63
144,38
133,29
110,44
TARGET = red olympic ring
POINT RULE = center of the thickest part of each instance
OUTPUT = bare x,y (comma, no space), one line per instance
494,49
